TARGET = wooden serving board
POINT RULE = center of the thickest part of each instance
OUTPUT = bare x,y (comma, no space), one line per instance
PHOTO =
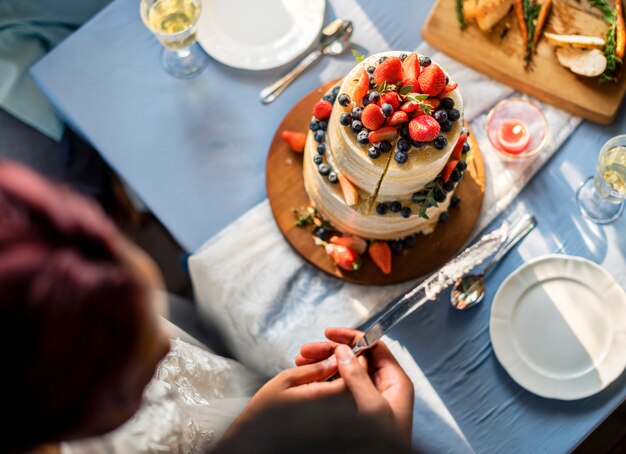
285,191
501,57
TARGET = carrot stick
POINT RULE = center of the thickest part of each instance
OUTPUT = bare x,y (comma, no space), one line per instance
620,30
541,20
519,12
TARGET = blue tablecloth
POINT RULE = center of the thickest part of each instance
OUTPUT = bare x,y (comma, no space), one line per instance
194,151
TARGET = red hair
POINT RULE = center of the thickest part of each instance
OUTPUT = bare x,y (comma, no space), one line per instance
69,307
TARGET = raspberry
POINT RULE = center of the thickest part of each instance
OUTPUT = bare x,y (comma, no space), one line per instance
322,110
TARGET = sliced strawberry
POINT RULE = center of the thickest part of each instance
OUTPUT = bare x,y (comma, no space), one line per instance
390,97
411,66
424,128
372,117
397,118
458,148
350,194
447,90
346,258
386,133
432,80
322,110
361,87
294,139
356,243
381,255
432,102
447,170
389,71
410,106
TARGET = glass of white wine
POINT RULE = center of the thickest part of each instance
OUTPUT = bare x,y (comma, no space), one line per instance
174,23
601,198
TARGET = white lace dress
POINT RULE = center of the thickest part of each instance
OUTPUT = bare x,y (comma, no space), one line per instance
188,405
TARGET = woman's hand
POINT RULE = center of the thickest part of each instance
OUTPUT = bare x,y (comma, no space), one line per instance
380,388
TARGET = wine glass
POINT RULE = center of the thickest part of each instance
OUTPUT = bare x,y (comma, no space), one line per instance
174,23
601,198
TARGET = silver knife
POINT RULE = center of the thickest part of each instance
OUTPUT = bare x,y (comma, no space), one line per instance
428,290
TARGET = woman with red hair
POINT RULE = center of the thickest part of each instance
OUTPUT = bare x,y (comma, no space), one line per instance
84,349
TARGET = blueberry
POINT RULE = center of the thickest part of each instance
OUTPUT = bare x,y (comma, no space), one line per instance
446,103
381,209
447,80
329,97
410,241
314,125
356,126
454,115
405,212
319,135
461,165
465,131
416,144
441,116
404,130
446,126
323,169
440,142
424,61
363,137
403,57
382,59
356,113
466,147
333,178
321,148
395,246
395,206
322,233
455,201
366,101
455,175
404,144
448,186
323,125
343,99
439,196
400,157
372,82
387,109
374,96
371,69
335,90
373,152
318,159
443,217
385,146
345,119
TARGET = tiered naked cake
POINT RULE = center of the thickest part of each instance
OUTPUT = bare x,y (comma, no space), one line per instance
386,148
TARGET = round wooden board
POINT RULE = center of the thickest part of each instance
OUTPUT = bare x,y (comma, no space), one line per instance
285,191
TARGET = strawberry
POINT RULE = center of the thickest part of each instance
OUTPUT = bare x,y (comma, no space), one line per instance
412,83
409,106
350,194
432,80
361,87
458,148
390,97
424,128
353,242
381,255
397,118
448,89
344,257
411,66
389,71
432,102
372,117
386,133
294,139
322,110
447,170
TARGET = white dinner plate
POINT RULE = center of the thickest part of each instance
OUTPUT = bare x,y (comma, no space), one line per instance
558,327
259,34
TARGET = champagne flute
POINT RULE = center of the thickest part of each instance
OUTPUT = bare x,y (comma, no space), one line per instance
174,23
601,198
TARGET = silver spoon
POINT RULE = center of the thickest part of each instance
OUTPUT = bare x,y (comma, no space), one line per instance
333,41
470,289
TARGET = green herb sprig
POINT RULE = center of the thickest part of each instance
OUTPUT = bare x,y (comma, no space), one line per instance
358,56
459,14
612,61
531,13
